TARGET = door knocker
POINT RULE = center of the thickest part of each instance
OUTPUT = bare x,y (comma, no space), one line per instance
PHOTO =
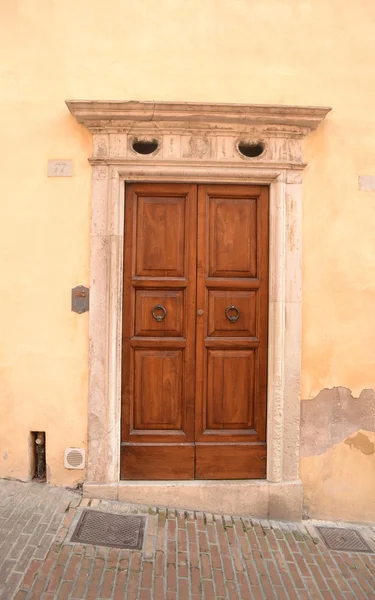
232,318
161,316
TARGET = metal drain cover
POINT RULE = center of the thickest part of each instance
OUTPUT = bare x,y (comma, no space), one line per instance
340,538
107,529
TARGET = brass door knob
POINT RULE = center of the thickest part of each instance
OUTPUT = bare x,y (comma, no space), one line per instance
200,312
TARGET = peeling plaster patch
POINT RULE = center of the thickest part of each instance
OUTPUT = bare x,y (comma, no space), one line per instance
334,415
361,442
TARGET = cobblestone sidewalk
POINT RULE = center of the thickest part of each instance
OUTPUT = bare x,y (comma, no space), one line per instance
186,556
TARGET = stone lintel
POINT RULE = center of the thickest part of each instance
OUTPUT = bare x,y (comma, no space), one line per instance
111,115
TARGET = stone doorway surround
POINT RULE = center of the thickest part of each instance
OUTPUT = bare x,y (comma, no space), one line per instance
197,143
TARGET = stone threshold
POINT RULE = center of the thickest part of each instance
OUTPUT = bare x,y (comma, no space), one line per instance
256,498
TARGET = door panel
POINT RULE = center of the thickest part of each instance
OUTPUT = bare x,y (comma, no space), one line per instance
218,322
159,332
158,462
230,389
230,462
232,292
147,325
157,395
160,225
232,234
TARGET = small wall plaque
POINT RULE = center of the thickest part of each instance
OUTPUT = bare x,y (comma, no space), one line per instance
366,183
80,299
60,168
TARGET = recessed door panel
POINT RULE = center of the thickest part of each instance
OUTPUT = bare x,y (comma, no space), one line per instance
157,462
232,234
232,313
160,236
230,389
159,313
158,394
230,462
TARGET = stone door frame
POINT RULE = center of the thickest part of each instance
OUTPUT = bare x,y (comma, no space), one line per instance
197,143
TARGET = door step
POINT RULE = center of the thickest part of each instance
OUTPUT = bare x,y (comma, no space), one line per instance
256,498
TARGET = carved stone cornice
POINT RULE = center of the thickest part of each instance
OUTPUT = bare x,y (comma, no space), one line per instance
99,114
197,132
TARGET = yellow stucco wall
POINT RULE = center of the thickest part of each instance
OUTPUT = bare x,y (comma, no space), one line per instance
339,484
310,52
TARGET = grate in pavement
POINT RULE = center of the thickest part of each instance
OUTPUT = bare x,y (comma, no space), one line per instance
340,538
107,529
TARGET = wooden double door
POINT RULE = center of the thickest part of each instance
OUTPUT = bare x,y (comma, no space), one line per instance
194,332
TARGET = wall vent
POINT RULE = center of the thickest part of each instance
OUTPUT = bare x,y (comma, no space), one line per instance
74,458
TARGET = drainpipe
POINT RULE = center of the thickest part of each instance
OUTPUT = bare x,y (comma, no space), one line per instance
40,446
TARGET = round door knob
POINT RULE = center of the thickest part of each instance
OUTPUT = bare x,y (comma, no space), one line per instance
200,312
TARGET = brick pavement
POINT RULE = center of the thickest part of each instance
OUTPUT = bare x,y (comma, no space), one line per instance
186,555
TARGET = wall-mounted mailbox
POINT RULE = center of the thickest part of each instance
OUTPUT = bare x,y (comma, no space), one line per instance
80,299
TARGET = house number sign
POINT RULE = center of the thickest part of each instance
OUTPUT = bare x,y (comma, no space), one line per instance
60,168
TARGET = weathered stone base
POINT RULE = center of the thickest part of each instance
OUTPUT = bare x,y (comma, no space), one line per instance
260,499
